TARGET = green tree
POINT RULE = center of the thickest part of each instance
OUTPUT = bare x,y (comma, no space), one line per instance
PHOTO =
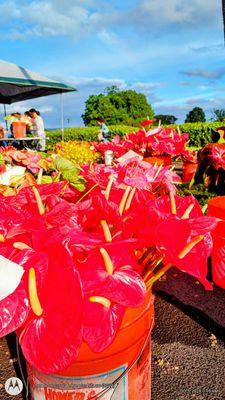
166,119
117,107
219,114
196,115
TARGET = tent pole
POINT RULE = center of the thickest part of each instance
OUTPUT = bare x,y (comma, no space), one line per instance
6,123
62,115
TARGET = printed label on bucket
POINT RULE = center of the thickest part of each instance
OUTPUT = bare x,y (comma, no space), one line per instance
49,387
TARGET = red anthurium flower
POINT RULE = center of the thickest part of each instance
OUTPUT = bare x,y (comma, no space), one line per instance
97,208
97,174
51,338
188,205
148,122
15,308
114,275
133,173
25,197
60,213
171,246
14,221
216,156
144,176
102,320
218,262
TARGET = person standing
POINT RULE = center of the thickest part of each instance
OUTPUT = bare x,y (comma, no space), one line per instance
38,127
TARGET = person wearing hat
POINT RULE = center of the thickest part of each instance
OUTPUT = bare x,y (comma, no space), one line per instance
38,127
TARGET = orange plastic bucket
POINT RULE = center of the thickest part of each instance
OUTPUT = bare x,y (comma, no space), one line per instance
159,160
19,129
121,372
189,170
216,208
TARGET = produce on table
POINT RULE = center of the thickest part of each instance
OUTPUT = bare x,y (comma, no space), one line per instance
88,256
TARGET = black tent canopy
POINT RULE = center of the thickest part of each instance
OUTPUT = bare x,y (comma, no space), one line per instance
18,84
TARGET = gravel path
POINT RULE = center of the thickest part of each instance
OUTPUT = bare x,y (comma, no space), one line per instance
8,365
188,360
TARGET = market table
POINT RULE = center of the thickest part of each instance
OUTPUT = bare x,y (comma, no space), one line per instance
25,139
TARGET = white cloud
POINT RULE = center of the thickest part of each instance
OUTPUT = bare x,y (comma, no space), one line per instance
178,12
76,19
206,73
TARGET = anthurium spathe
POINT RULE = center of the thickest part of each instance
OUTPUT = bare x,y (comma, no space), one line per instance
95,209
102,321
14,309
194,262
218,262
50,340
26,196
114,275
14,221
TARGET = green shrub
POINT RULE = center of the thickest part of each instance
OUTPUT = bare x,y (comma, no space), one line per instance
199,133
88,134
199,191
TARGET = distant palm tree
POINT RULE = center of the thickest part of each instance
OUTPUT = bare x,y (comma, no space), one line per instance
223,8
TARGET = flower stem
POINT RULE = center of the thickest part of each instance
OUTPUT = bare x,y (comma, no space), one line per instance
90,190
157,276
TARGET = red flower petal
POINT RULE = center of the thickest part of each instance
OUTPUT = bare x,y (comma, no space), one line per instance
15,308
99,333
51,342
124,287
218,262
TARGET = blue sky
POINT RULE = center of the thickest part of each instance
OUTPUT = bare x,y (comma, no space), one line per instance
170,50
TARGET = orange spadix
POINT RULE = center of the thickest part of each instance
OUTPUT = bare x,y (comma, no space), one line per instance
21,246
33,295
40,204
108,188
190,246
173,204
107,261
101,300
106,230
39,177
124,199
130,198
187,212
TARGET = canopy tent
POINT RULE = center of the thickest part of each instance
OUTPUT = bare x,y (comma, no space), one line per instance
18,84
